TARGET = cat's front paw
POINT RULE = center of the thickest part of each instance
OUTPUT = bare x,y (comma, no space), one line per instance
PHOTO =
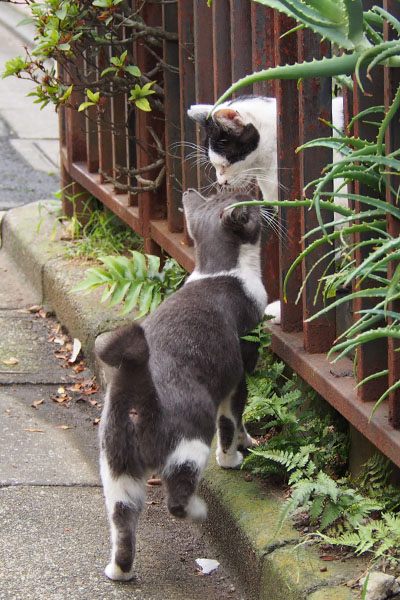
229,461
113,572
274,310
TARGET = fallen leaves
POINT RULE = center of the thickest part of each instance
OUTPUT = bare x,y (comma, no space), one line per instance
33,430
10,361
37,403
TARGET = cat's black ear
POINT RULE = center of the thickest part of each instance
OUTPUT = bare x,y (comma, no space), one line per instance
200,112
243,220
229,119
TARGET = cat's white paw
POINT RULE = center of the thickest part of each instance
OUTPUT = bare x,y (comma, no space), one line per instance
113,572
196,509
229,461
274,310
244,440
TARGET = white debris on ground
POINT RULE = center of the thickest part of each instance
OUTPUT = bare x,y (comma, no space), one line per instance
207,565
380,586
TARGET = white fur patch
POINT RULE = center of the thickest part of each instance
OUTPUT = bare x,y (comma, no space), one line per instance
194,451
196,509
229,461
121,489
248,272
274,310
112,571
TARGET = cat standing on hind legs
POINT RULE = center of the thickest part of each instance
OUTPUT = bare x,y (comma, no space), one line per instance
180,373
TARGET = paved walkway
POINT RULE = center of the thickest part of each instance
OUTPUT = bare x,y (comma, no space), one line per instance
29,149
54,538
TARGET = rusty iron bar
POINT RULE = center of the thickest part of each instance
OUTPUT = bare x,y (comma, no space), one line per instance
172,122
241,58
392,142
263,53
221,33
320,333
288,172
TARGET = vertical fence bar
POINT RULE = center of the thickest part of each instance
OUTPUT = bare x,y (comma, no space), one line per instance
392,143
172,121
150,126
288,171
371,356
263,52
240,42
221,31
315,96
204,83
92,140
118,142
104,127
187,94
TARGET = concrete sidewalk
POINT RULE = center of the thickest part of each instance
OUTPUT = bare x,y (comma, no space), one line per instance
54,535
29,147
243,514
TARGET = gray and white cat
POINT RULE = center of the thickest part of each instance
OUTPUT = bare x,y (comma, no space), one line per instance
180,372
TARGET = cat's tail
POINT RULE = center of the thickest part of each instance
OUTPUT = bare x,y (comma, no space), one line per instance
125,347
127,351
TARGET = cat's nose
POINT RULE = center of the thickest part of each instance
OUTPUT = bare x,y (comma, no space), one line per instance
222,179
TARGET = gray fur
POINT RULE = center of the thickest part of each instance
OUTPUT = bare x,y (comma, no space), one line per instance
172,372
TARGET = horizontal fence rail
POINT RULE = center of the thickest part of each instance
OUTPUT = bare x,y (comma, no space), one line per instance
138,163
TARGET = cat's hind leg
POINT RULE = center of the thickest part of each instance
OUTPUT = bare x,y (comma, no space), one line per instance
228,431
124,498
182,474
231,431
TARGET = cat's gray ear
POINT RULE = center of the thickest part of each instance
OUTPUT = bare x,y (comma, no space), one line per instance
191,199
199,112
229,119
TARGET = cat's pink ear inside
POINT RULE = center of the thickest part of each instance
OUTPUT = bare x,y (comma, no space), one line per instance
228,119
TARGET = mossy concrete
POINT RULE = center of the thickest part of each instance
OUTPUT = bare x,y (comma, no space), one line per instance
243,514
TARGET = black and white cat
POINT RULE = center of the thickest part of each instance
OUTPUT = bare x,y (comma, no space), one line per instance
180,372
241,141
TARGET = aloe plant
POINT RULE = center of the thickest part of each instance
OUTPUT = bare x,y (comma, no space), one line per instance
343,23
359,33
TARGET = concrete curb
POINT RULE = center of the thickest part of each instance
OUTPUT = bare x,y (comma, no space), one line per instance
242,514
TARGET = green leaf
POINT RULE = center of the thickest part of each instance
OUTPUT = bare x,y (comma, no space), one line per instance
139,265
93,96
132,297
85,105
143,104
145,299
108,70
133,70
119,293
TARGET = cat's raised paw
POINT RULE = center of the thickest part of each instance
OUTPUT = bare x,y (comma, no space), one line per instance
229,461
113,572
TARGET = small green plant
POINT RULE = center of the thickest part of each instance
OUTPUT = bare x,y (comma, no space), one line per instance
139,281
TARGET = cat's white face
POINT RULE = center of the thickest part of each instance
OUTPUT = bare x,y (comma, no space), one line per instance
236,174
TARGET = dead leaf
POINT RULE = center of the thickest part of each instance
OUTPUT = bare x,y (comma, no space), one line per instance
35,308
76,348
93,402
37,403
154,481
63,427
96,421
8,410
32,430
11,361
42,313
59,340
327,557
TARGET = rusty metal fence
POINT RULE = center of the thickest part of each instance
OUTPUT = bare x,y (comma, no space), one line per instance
213,47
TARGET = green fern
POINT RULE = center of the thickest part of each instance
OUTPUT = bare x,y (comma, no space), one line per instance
137,282
379,537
